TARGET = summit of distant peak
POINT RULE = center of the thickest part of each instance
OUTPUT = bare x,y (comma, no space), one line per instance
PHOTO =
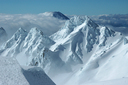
20,31
1,28
56,14
3,35
59,15
36,31
2,31
78,20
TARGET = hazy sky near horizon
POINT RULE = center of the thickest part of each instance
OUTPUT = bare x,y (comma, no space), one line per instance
70,7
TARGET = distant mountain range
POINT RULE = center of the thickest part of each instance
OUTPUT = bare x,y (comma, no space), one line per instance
82,50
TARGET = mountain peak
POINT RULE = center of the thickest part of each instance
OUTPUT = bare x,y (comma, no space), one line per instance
1,28
56,14
59,15
3,35
20,31
2,31
78,20
36,31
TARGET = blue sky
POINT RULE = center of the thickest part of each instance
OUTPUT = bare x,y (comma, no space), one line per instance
70,7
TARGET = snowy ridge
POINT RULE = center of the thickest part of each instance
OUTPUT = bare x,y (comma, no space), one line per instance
68,28
13,45
104,61
11,73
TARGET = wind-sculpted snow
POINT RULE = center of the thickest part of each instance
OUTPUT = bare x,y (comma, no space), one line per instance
11,73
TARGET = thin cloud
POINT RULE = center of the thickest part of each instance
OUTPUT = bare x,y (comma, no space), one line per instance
12,22
120,20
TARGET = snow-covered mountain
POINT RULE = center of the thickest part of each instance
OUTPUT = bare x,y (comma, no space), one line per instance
32,49
96,48
3,35
81,50
79,37
57,15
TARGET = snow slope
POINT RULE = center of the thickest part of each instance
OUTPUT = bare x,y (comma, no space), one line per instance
122,81
106,64
11,73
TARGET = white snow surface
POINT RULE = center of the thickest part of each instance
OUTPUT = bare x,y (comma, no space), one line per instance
122,81
11,73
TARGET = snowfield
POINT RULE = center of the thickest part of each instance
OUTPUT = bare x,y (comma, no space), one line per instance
11,73
122,81
80,53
